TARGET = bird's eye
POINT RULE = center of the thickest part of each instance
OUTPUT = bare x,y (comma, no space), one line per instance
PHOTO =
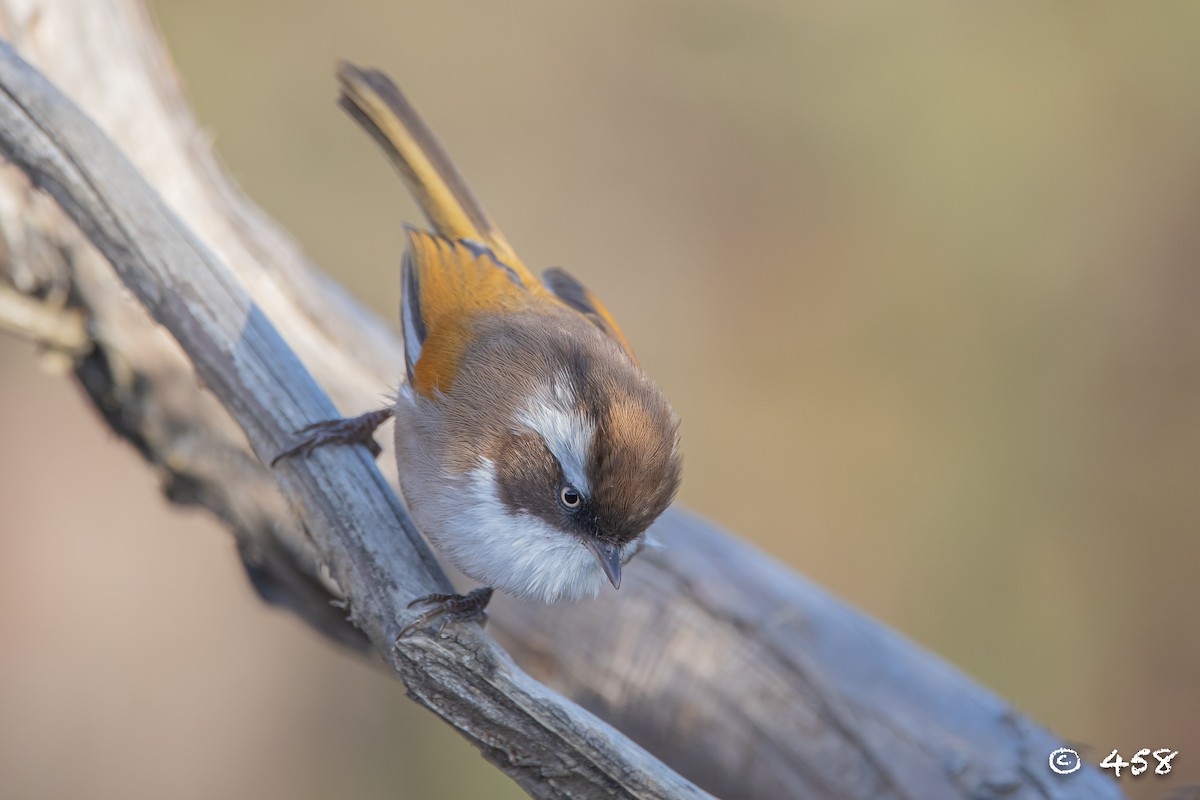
569,497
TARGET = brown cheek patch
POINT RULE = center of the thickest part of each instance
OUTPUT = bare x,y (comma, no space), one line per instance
636,468
528,477
631,425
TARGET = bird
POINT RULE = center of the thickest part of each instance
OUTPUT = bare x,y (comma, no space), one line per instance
532,449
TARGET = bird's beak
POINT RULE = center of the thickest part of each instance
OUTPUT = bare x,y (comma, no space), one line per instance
609,556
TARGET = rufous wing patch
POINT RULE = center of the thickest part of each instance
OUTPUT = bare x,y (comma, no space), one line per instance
574,294
454,282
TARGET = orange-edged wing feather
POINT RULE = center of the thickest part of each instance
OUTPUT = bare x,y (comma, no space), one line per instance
447,285
470,265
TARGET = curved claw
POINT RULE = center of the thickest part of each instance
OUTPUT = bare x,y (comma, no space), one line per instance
430,599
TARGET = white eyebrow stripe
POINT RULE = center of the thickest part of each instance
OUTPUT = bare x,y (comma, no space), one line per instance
554,414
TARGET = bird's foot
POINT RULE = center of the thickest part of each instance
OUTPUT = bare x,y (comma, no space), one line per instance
354,430
450,607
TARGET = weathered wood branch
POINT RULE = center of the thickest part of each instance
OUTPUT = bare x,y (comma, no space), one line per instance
549,745
737,673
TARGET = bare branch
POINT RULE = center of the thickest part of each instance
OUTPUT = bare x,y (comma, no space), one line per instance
62,329
549,745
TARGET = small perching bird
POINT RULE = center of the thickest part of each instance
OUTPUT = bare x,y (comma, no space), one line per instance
532,449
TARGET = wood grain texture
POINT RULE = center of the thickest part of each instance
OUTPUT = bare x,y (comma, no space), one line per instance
736,672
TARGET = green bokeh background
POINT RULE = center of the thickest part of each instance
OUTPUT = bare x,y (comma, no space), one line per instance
921,280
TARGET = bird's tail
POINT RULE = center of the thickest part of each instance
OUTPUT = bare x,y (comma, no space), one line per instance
377,104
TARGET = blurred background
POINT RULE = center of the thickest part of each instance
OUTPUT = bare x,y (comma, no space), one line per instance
921,282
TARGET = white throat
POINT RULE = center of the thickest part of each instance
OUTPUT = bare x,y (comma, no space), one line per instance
516,553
